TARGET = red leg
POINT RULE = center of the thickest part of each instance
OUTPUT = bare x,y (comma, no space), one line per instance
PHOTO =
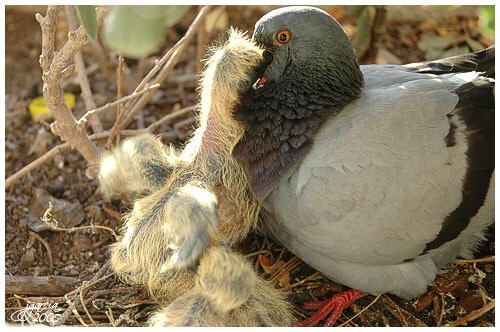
333,306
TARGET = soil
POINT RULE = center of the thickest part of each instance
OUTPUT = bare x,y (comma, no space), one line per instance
32,251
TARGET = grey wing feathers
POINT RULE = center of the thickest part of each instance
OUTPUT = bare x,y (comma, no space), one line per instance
480,61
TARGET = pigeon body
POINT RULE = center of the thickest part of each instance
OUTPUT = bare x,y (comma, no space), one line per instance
377,176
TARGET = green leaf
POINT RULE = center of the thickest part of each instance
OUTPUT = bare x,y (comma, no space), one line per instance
487,20
88,18
137,31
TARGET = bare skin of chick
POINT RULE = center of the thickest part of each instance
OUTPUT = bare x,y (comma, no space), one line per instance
188,201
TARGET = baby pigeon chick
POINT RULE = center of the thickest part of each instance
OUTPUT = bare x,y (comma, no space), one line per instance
227,293
148,164
189,200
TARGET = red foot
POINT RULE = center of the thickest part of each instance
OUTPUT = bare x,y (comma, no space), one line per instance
335,305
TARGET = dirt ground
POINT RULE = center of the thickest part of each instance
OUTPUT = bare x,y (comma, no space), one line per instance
33,250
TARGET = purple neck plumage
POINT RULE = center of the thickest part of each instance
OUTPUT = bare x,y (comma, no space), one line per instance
281,119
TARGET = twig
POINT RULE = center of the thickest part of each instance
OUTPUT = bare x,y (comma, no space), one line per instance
65,125
95,278
167,68
40,299
81,72
478,260
201,38
48,25
441,314
47,247
398,309
255,253
119,112
169,117
36,163
118,102
65,146
109,313
41,285
287,267
98,293
82,302
359,313
72,308
52,223
185,123
300,282
473,315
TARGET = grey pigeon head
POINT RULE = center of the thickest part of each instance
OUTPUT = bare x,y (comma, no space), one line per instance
303,37
309,73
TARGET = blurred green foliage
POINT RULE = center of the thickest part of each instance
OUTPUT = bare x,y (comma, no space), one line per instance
88,18
138,31
486,16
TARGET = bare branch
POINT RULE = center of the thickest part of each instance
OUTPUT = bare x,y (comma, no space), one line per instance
473,315
169,117
65,146
99,276
65,125
52,223
119,101
48,25
46,285
88,98
36,163
167,68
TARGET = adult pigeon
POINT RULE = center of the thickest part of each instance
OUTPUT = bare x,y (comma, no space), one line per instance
376,175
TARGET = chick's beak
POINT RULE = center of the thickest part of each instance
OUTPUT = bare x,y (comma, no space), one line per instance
267,59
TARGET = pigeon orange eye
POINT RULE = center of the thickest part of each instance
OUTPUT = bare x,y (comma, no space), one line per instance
283,36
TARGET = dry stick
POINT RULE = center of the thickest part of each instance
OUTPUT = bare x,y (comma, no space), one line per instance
75,312
200,47
119,79
65,125
359,313
47,247
118,101
36,163
119,112
98,293
142,85
287,267
40,299
48,25
82,302
441,314
47,217
88,285
109,313
42,285
473,315
81,72
169,117
167,68
478,260
300,282
76,299
65,146
398,309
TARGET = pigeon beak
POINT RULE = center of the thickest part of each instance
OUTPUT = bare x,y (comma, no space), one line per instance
267,61
259,83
